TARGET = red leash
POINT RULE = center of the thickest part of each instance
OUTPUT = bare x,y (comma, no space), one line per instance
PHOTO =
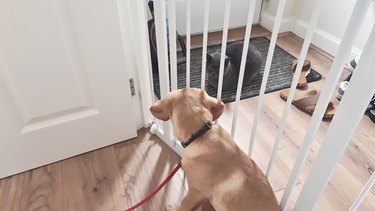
157,189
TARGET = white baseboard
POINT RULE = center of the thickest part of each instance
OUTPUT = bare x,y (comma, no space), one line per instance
267,20
321,39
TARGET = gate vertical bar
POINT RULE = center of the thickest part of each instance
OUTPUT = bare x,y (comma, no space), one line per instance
223,47
205,37
162,50
271,49
330,84
172,42
249,23
363,193
349,114
305,47
147,43
188,41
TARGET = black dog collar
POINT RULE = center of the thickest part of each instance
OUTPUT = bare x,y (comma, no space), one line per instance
206,127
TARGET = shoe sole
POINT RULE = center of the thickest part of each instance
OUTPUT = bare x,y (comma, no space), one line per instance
349,67
339,96
340,93
372,118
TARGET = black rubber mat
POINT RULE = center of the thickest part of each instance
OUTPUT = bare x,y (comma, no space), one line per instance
280,76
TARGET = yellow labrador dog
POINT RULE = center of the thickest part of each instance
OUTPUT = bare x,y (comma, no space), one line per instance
216,168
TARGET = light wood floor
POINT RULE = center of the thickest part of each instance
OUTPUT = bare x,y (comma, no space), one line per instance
356,165
118,176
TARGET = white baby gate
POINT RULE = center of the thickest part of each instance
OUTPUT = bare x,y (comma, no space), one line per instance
344,123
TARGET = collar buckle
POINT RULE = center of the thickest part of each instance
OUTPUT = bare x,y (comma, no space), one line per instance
209,124
206,127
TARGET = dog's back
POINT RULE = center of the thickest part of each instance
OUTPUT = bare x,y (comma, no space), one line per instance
233,180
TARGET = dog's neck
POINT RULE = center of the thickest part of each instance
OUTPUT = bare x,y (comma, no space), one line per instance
186,125
206,127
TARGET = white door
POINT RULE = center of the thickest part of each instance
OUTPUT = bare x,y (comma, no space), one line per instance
63,81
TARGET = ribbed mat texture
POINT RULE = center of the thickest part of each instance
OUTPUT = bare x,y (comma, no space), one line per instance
280,76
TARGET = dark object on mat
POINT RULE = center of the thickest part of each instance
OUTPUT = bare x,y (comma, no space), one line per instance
232,65
371,109
280,76
152,41
371,114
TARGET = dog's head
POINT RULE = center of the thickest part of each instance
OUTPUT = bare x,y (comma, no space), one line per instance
189,105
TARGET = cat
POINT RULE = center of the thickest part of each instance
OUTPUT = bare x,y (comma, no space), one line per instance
232,66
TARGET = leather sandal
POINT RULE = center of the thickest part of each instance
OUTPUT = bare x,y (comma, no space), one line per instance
302,82
371,114
307,102
371,109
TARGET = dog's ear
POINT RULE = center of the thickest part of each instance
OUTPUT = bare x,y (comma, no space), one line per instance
159,111
215,106
217,110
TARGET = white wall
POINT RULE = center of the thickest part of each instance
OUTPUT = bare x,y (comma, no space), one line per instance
239,11
269,11
331,25
290,11
335,16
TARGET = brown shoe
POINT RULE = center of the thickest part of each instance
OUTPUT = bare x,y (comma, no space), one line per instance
307,102
302,82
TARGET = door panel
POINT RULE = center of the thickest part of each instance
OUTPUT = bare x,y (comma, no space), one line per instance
63,81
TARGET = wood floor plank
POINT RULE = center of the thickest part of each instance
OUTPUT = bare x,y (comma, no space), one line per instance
38,189
338,196
92,182
10,193
144,163
215,38
357,163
